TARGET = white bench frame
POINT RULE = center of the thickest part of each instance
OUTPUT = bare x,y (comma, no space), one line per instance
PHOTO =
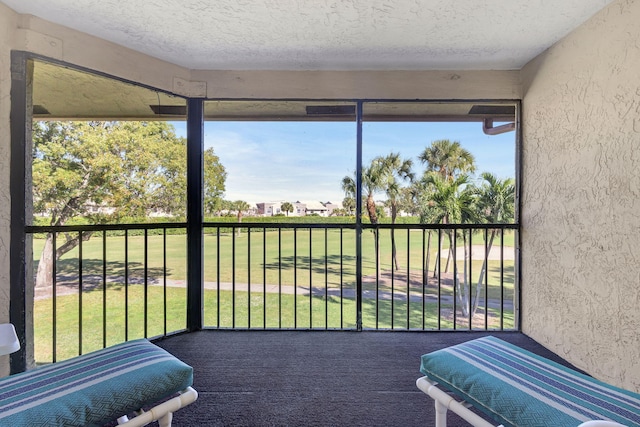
163,413
445,402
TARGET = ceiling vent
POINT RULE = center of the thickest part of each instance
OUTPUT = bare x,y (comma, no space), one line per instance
331,110
494,110
169,110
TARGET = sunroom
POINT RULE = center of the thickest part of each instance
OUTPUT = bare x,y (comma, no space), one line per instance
563,273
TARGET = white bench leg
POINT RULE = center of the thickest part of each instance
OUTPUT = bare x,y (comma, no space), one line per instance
441,414
166,420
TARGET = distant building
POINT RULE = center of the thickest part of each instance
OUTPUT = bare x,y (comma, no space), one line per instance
331,207
316,208
269,208
299,208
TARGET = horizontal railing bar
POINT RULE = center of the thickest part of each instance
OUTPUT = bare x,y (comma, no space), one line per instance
173,225
294,329
295,225
509,226
353,226
101,227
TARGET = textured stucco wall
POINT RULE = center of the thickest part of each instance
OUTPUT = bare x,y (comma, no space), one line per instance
7,24
581,196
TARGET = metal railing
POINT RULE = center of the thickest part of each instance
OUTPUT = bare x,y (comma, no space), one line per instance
316,286
121,284
129,281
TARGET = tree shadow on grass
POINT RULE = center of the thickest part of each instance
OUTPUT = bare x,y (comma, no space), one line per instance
508,273
115,276
318,264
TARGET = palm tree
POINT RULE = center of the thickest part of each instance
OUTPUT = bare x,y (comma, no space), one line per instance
496,205
239,206
448,158
349,204
452,202
373,180
396,170
287,207
428,213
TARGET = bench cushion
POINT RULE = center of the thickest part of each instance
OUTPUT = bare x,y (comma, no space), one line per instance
518,388
92,389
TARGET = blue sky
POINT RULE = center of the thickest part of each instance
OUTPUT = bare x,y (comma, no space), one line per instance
306,161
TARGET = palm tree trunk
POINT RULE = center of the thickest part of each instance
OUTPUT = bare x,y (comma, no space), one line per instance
446,266
371,209
456,280
394,254
482,272
376,244
425,271
464,291
451,255
438,261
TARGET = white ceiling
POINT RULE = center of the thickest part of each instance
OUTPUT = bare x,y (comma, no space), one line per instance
325,34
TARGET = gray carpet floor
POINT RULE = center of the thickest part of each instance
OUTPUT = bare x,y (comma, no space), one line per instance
294,378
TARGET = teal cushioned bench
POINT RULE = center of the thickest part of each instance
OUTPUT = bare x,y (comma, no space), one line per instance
517,388
93,389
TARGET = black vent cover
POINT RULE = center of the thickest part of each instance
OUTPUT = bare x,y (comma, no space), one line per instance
331,110
169,110
493,110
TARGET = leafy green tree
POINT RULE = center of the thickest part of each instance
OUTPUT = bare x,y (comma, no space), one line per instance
106,171
339,212
409,198
215,176
349,204
287,207
448,158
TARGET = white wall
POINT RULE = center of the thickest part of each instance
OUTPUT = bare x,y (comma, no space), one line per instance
581,196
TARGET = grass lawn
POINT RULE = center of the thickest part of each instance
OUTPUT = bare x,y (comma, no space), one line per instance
289,257
322,259
239,310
